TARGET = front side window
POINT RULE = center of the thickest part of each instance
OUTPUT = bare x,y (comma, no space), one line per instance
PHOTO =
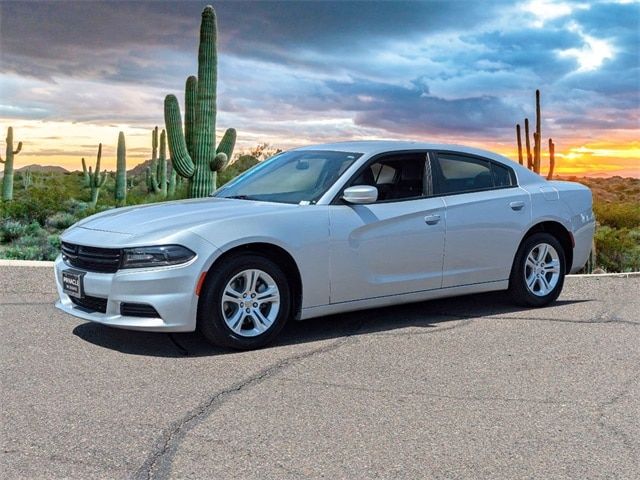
395,177
290,177
460,173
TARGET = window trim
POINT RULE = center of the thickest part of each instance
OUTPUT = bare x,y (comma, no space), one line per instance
437,174
337,199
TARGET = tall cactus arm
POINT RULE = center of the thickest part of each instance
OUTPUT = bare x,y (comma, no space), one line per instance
528,144
519,140
98,158
219,162
85,173
102,179
552,159
180,157
154,144
227,143
190,98
538,148
17,150
205,131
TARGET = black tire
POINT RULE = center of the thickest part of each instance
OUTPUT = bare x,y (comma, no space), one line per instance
211,322
518,289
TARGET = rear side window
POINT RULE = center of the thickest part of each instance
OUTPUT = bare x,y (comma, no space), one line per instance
461,173
502,176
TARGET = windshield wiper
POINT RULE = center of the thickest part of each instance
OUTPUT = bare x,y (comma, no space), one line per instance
239,197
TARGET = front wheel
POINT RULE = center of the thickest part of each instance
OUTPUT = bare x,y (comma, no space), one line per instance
245,303
538,271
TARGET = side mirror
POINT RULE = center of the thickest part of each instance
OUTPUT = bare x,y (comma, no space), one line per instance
360,194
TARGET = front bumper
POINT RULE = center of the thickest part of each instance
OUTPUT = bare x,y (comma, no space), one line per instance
170,290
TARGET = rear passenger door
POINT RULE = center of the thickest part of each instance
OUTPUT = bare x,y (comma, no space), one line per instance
486,213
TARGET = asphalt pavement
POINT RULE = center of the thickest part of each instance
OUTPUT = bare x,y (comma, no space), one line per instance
466,388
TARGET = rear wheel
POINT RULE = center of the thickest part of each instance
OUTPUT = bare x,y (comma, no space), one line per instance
538,271
245,303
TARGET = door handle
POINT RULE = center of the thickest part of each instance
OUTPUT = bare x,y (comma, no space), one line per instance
432,219
516,205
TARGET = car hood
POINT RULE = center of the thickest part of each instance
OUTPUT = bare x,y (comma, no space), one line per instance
177,215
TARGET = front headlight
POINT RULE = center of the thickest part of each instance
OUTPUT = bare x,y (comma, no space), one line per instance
163,255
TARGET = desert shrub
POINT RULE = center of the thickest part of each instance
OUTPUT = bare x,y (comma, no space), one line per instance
14,229
618,249
61,220
74,206
23,253
11,229
53,242
618,215
36,203
35,246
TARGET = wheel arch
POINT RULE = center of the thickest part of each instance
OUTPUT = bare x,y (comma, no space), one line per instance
277,254
560,232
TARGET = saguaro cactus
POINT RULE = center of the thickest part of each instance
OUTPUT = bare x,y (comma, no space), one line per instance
158,170
121,172
27,179
7,182
85,173
534,159
193,153
519,140
552,159
537,136
96,180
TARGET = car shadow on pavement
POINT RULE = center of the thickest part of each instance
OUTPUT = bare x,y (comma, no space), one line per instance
429,314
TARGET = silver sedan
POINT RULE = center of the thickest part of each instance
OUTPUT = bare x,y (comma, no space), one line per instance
326,229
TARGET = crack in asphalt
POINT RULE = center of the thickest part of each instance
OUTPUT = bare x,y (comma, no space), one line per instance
361,388
623,436
603,320
158,464
435,328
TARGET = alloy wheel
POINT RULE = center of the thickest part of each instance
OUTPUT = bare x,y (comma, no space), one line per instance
250,302
542,269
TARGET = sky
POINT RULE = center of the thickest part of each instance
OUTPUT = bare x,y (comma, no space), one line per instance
73,74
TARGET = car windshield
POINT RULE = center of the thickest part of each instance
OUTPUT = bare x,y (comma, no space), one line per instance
290,177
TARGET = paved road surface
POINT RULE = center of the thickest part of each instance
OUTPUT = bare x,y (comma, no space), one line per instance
462,388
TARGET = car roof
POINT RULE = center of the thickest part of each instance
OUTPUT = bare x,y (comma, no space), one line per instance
373,147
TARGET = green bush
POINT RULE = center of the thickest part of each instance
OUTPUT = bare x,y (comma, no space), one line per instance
61,220
618,215
14,229
11,229
618,249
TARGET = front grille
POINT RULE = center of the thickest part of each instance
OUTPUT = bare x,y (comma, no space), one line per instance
138,310
90,304
92,259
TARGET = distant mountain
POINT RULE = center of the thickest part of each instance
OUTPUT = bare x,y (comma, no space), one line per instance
43,168
140,169
39,168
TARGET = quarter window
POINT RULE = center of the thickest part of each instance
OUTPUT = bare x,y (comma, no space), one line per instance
460,174
502,176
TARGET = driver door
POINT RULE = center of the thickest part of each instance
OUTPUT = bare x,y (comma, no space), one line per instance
395,245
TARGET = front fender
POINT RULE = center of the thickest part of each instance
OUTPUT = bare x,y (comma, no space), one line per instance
301,232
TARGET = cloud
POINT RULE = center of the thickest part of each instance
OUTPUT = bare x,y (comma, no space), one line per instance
328,70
